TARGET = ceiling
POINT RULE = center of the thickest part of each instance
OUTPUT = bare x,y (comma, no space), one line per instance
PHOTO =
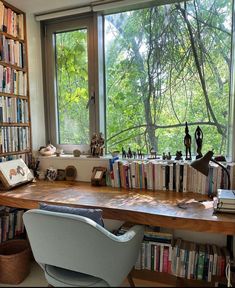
41,6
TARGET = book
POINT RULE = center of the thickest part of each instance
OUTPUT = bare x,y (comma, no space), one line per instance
226,196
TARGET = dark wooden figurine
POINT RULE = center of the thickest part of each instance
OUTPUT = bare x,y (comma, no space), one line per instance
187,143
198,139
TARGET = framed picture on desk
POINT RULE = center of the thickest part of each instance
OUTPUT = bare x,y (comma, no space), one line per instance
14,173
98,177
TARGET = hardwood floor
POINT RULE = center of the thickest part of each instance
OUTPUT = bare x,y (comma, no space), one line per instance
36,279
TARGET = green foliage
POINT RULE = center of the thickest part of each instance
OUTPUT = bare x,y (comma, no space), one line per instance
72,86
153,78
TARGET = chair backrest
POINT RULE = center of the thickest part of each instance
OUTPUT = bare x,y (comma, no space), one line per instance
79,244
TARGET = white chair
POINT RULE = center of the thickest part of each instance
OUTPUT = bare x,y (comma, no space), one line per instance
75,251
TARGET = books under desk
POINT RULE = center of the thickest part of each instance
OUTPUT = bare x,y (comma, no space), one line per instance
160,252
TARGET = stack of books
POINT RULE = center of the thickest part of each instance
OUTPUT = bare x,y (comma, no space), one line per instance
225,201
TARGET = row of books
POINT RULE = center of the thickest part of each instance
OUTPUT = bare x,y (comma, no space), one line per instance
13,139
176,176
13,81
26,157
11,223
162,253
11,22
13,110
183,259
12,52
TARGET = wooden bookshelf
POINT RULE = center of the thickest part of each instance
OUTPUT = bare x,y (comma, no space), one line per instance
15,118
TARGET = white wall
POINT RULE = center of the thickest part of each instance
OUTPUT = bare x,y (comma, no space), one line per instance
35,82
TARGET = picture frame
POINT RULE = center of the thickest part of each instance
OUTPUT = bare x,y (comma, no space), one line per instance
98,177
14,173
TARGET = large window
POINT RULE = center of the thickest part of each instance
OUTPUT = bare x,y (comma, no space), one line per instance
166,65
159,66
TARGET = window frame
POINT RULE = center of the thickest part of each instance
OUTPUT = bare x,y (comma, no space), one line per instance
48,28
98,114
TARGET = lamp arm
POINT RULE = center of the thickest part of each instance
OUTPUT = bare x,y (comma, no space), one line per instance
225,169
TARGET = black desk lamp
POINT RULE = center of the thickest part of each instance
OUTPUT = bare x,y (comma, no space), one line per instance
202,165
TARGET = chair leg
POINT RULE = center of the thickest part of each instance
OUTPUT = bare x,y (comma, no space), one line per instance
130,280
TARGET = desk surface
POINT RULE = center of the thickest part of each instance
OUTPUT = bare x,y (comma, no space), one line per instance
157,208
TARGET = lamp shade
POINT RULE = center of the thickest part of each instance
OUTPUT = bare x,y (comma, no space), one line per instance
202,164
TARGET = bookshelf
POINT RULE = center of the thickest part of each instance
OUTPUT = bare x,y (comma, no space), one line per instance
15,127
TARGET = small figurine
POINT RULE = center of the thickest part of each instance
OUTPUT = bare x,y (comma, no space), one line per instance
97,145
198,139
134,154
168,156
178,155
187,143
93,144
164,156
153,153
129,153
100,142
123,153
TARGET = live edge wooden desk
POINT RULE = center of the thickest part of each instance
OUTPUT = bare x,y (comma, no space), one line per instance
157,208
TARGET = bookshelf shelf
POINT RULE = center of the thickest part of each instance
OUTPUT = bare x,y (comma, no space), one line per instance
13,66
166,278
9,36
15,153
13,95
15,123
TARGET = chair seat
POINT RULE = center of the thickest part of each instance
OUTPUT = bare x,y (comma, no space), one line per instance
59,277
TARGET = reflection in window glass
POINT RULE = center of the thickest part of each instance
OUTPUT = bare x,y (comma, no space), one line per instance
72,86
166,65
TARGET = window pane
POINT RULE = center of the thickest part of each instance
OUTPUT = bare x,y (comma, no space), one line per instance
166,65
72,86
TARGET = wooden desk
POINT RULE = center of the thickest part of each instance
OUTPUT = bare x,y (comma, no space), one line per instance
137,206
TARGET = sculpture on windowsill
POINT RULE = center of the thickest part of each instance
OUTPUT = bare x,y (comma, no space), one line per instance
97,145
198,139
187,143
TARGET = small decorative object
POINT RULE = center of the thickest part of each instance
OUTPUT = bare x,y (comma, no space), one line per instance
97,145
60,175
48,150
58,152
76,153
14,172
70,173
98,177
51,174
168,156
153,153
198,139
164,156
187,143
129,153
178,155
123,153
41,175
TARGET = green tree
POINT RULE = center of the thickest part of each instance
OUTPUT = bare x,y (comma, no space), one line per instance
166,65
